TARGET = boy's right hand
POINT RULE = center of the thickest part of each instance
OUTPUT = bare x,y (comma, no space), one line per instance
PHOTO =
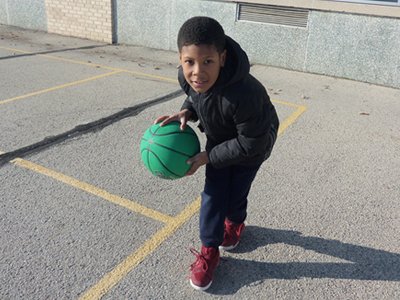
182,116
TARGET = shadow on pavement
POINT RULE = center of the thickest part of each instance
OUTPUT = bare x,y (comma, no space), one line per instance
363,263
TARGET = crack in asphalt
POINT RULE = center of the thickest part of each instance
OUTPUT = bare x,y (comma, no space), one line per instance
85,128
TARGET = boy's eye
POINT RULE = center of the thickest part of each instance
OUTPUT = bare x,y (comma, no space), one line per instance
189,62
208,61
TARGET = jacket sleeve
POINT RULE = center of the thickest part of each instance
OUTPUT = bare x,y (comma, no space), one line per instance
188,103
253,124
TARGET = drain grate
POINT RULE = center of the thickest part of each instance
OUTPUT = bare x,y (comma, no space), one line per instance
271,14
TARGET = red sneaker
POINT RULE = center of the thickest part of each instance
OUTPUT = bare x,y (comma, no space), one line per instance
202,270
232,234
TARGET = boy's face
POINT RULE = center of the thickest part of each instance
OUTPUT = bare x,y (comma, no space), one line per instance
201,65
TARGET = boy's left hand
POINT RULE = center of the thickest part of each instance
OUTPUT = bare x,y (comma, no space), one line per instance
197,161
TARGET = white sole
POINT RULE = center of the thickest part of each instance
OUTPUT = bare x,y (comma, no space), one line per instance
199,288
229,247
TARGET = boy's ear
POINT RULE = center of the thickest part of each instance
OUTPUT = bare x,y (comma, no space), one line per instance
223,58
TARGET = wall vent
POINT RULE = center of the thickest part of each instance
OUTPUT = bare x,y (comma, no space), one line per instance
271,14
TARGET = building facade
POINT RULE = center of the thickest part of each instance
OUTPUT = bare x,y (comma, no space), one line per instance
358,40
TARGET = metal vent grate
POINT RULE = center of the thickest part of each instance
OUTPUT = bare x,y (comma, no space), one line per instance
271,14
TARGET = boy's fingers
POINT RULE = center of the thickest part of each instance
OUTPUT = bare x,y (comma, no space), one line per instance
191,171
166,121
159,119
183,121
194,166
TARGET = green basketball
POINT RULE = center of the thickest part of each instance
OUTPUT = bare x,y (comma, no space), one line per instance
166,149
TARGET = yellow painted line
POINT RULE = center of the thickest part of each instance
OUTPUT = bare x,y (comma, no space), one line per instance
61,59
93,65
171,225
16,50
292,118
151,76
135,73
286,103
135,207
119,272
58,87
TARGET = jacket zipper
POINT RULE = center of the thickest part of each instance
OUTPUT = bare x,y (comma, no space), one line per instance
202,104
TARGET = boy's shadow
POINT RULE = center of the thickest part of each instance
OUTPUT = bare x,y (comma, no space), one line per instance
363,263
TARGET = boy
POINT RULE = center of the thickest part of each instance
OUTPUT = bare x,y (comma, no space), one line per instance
240,123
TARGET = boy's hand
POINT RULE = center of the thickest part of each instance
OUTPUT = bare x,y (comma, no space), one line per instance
182,116
197,161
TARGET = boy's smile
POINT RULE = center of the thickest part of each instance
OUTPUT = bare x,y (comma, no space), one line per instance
201,65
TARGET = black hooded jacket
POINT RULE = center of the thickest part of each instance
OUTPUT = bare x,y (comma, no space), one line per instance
236,114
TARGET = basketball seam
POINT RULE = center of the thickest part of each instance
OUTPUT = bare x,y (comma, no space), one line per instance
152,134
156,156
173,150
148,158
175,132
164,134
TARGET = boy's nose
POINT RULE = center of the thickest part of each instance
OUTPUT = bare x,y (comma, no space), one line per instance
197,69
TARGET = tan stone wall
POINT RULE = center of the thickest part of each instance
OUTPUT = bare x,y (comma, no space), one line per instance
91,19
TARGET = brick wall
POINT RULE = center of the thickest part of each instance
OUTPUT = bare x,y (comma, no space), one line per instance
91,19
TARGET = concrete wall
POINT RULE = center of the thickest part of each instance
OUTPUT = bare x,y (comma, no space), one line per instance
349,45
353,46
359,47
30,14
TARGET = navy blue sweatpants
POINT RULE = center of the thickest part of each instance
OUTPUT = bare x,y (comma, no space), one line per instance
224,196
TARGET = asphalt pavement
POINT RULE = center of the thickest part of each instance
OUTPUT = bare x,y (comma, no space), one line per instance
81,217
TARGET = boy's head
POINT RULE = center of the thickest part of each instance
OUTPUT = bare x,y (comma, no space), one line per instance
201,44
202,30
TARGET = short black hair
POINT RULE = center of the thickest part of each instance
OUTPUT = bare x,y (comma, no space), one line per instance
201,30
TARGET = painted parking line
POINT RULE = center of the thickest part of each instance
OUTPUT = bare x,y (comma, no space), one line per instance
58,87
300,109
128,264
112,278
89,64
94,65
120,271
132,206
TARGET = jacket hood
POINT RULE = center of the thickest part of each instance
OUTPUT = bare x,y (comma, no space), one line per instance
237,64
